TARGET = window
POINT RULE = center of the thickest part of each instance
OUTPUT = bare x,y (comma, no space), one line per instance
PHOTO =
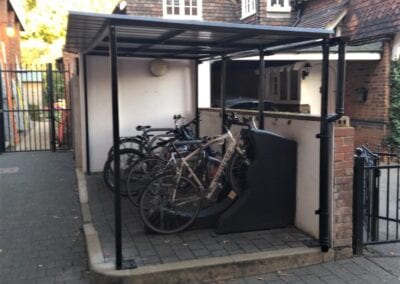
283,84
278,6
182,9
248,8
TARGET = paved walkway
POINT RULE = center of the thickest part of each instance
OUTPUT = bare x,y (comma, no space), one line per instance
40,229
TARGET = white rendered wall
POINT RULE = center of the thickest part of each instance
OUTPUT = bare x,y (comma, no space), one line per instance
204,87
143,99
310,87
304,133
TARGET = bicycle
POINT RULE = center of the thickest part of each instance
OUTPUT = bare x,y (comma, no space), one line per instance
147,145
171,202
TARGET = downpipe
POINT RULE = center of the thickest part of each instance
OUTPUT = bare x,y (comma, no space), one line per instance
325,137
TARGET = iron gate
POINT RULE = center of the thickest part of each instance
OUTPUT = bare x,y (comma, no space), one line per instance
35,113
376,198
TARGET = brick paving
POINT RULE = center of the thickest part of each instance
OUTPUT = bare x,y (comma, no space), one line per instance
192,244
41,240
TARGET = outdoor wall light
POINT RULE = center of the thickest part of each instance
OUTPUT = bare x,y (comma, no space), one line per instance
361,94
10,32
306,71
158,67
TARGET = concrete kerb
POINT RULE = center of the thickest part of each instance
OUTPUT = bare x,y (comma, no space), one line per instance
190,271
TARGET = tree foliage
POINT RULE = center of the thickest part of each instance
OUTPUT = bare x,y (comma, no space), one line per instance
394,138
46,23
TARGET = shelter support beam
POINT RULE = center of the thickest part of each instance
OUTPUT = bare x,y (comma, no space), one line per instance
196,83
115,124
87,136
120,264
325,146
223,92
261,91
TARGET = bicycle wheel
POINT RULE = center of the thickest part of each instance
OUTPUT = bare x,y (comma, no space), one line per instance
141,173
126,143
168,205
237,171
128,157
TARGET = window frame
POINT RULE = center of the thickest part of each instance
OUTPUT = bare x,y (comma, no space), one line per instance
274,80
182,15
276,8
248,3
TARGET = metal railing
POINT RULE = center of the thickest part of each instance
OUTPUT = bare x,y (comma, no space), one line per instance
376,197
35,108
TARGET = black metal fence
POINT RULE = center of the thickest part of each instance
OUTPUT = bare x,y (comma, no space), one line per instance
35,112
376,197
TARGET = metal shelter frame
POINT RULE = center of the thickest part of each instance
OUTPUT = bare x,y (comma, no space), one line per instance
133,36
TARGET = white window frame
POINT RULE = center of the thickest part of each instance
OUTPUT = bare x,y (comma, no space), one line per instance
248,8
277,8
182,11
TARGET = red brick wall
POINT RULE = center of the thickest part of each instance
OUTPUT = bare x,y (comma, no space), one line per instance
221,10
375,77
12,44
213,10
151,8
343,186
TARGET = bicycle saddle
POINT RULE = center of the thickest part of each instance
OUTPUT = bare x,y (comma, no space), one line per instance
142,127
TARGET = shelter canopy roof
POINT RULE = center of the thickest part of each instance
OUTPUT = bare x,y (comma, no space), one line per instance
153,37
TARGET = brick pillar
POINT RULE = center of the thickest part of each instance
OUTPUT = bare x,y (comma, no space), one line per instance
343,188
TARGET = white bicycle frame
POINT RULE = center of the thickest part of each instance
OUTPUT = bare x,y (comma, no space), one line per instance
232,146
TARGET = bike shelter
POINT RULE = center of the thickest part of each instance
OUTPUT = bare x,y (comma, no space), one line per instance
121,36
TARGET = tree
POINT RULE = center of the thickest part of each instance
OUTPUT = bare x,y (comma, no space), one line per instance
46,23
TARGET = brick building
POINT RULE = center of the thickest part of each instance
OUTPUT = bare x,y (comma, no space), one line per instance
364,24
10,27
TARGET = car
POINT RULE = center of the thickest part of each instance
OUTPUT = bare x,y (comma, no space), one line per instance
249,105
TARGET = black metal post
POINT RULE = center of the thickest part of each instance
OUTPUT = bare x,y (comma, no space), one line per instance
196,83
223,92
340,86
324,166
2,128
87,138
358,200
50,95
115,120
261,91
375,194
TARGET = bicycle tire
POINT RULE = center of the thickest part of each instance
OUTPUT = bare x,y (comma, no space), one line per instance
126,143
237,171
141,173
162,215
127,157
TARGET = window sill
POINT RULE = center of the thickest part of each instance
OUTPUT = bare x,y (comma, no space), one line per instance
247,16
279,10
178,17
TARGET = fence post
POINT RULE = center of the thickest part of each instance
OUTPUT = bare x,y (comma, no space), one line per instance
375,205
50,95
2,128
358,202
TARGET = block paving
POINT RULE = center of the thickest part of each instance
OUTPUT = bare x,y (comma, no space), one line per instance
197,243
41,240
